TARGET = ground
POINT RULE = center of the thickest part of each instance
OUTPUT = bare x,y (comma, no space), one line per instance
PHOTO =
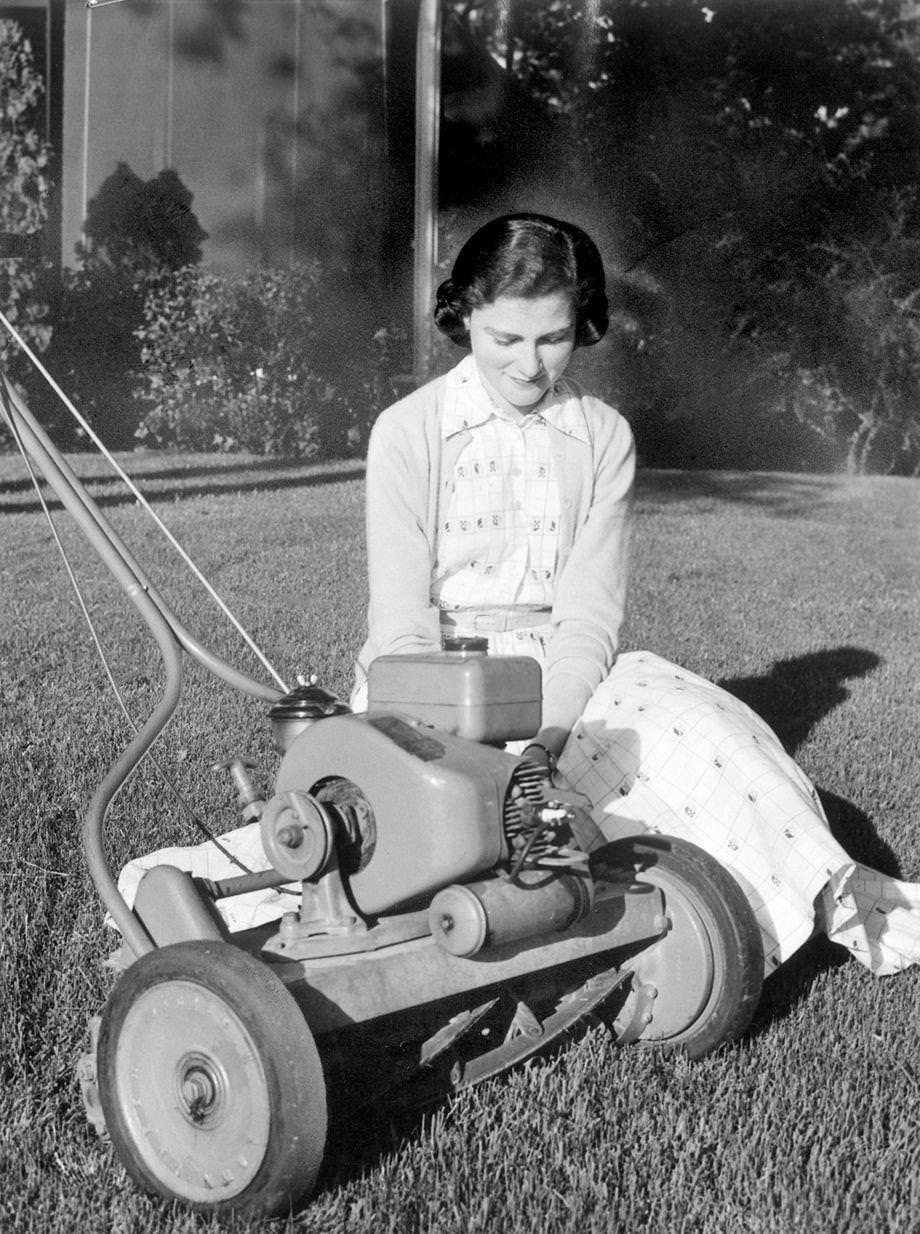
798,593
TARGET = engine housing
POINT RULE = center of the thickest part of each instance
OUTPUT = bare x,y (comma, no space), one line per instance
437,801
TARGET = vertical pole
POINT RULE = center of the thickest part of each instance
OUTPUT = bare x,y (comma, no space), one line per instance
87,71
385,71
295,131
170,81
427,133
259,187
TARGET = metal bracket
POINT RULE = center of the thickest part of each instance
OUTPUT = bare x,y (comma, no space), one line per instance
641,1001
89,1080
453,1030
518,1045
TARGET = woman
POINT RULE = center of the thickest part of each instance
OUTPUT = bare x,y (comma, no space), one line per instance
498,505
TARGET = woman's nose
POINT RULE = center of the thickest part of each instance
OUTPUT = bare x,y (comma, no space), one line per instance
529,362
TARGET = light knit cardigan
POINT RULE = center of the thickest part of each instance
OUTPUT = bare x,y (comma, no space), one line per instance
406,480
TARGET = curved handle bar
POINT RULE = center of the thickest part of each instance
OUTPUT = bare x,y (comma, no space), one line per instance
170,635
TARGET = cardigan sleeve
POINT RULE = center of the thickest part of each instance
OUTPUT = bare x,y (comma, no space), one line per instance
401,617
591,587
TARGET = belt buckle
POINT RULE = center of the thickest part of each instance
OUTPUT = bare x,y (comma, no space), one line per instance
490,621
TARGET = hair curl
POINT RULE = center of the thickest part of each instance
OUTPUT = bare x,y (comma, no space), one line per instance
525,255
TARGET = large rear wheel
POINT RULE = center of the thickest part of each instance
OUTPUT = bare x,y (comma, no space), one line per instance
698,985
210,1080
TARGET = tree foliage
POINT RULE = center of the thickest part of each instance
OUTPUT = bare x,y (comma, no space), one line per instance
755,165
24,189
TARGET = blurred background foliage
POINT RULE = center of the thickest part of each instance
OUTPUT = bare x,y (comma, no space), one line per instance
754,167
751,169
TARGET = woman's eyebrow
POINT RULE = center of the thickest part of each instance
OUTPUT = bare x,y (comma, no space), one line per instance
551,336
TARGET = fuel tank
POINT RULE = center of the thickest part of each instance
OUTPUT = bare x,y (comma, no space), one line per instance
435,801
463,691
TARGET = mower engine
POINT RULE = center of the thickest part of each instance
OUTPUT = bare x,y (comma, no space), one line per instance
411,819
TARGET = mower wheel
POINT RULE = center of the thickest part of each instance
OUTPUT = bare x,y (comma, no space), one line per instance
210,1081
698,985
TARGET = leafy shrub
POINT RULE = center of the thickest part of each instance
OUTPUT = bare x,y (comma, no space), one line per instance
24,188
257,365
136,232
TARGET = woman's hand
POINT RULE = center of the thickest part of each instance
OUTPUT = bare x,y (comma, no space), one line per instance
546,748
539,756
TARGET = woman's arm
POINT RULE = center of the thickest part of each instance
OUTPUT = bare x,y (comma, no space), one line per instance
591,588
401,617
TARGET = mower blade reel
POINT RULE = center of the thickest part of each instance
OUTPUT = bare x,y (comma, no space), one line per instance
452,1031
403,1073
627,1032
572,1008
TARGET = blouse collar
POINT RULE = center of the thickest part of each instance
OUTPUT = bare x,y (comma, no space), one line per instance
469,404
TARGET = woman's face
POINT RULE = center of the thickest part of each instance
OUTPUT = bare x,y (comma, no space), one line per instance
521,346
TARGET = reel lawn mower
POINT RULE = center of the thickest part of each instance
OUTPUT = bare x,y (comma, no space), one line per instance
453,911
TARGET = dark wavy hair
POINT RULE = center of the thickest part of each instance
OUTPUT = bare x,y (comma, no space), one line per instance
525,255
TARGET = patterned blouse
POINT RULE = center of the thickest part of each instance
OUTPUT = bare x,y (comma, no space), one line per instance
498,538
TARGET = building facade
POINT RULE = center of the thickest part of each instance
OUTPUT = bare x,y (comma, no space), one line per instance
273,114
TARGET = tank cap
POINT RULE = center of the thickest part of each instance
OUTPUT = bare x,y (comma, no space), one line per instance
466,645
308,701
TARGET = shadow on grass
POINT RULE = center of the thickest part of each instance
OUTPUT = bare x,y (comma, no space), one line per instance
800,691
785,495
264,476
195,471
792,698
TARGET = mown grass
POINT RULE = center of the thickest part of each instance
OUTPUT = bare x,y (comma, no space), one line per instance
800,593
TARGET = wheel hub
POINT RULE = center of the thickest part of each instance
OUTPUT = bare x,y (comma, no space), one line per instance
201,1090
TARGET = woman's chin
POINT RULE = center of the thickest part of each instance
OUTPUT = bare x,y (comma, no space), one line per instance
523,398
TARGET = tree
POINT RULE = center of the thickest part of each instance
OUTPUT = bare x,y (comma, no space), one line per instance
871,382
741,155
24,190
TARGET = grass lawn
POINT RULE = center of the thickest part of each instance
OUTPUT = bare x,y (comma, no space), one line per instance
801,594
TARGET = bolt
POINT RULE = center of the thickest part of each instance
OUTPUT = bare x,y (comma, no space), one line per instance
199,1093
290,837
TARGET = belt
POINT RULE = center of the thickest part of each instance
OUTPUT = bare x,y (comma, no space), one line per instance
496,618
